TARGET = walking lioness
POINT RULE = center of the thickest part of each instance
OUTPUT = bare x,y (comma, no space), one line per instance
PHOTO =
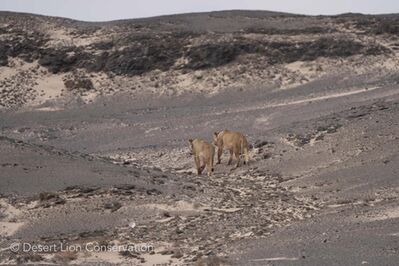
235,142
204,154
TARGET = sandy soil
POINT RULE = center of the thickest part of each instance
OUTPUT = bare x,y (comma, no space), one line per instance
91,156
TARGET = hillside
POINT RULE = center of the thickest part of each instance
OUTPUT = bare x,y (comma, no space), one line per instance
53,61
95,120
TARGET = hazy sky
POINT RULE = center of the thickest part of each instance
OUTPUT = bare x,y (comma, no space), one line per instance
100,10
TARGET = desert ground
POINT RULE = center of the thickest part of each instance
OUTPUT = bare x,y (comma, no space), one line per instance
95,120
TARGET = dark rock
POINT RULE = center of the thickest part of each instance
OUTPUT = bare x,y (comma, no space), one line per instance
26,258
113,206
260,143
95,233
125,187
79,84
47,196
153,191
267,155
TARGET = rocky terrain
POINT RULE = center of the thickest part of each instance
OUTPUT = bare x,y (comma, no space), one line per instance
53,61
95,119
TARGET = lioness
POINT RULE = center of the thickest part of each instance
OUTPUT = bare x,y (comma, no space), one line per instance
235,142
204,154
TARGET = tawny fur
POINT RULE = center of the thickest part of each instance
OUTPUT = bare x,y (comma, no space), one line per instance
204,154
235,142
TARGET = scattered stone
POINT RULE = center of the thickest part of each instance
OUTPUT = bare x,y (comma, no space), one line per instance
113,206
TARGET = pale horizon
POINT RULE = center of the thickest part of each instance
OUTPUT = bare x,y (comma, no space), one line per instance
102,10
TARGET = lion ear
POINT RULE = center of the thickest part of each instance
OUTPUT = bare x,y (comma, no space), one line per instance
190,140
216,133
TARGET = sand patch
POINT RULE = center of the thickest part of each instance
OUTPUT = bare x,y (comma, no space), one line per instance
114,257
180,206
275,259
9,216
100,258
9,228
158,259
49,87
390,213
63,38
89,97
183,206
6,72
302,101
48,109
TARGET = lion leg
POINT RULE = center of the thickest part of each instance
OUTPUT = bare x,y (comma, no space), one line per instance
237,155
231,157
209,168
220,151
198,165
